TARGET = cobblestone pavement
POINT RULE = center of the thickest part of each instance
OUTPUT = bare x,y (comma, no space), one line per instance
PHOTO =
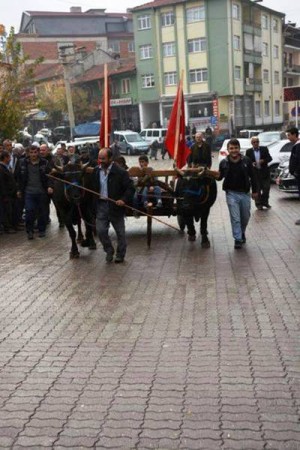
179,348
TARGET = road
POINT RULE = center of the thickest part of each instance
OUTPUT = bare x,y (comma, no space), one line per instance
179,348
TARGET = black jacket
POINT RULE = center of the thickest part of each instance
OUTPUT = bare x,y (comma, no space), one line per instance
247,173
200,155
119,186
7,182
265,155
294,164
23,174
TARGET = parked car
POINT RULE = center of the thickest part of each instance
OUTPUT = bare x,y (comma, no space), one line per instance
244,143
285,181
78,144
41,139
248,134
268,137
152,134
61,133
279,151
46,132
130,142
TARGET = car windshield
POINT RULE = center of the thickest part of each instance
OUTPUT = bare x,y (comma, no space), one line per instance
134,138
269,137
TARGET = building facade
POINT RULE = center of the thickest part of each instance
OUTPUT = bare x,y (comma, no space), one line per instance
291,69
230,55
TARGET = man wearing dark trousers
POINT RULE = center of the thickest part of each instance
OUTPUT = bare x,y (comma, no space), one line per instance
112,182
260,158
294,164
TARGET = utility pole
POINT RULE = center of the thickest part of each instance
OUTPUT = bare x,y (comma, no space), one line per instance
65,53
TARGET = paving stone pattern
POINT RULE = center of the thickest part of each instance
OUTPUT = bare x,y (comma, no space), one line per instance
179,348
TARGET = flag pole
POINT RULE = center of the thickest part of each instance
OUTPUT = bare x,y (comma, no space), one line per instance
178,119
105,107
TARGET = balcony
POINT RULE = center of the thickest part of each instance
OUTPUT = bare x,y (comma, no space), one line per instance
293,69
253,85
252,56
252,28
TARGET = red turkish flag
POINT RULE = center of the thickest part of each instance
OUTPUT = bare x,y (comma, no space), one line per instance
183,151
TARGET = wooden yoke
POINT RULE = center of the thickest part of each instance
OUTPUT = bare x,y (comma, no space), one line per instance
151,173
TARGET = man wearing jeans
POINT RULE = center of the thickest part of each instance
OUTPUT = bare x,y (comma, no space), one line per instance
34,187
237,172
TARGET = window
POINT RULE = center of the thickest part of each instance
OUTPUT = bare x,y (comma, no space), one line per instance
131,47
265,22
170,78
257,108
198,75
265,48
237,72
113,88
125,86
276,51
266,76
196,45
236,13
277,108
114,45
275,25
146,51
236,42
167,19
276,77
144,22
267,108
148,80
195,14
169,49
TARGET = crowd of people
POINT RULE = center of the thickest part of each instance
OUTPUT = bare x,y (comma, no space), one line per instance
26,189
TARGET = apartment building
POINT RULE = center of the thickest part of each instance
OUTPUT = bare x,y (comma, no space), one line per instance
230,54
291,67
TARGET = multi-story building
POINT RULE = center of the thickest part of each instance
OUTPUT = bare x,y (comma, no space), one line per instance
230,53
291,67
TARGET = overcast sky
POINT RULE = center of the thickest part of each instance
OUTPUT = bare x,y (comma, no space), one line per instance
11,10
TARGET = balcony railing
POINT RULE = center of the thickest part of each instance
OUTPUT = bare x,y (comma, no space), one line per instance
253,84
295,68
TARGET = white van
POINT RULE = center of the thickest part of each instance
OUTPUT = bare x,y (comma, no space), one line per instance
130,142
248,134
152,134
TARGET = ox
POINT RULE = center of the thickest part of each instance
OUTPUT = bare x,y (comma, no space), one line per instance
73,203
196,194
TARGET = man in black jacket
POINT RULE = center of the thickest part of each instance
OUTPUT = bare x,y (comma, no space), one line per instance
114,183
294,164
34,186
238,174
200,153
7,194
260,158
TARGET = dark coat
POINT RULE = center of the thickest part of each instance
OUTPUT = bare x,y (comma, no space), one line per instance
119,186
265,155
8,183
294,164
200,155
23,174
247,172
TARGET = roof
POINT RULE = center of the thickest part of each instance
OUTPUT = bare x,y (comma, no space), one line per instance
97,72
46,71
74,14
157,4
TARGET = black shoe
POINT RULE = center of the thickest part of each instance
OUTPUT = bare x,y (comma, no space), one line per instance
42,234
297,222
259,207
267,206
192,237
244,238
109,257
238,244
205,243
30,235
119,259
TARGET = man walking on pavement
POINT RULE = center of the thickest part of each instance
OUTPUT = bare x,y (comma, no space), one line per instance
294,165
260,158
112,182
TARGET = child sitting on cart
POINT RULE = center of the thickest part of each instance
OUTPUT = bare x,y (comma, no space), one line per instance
145,192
